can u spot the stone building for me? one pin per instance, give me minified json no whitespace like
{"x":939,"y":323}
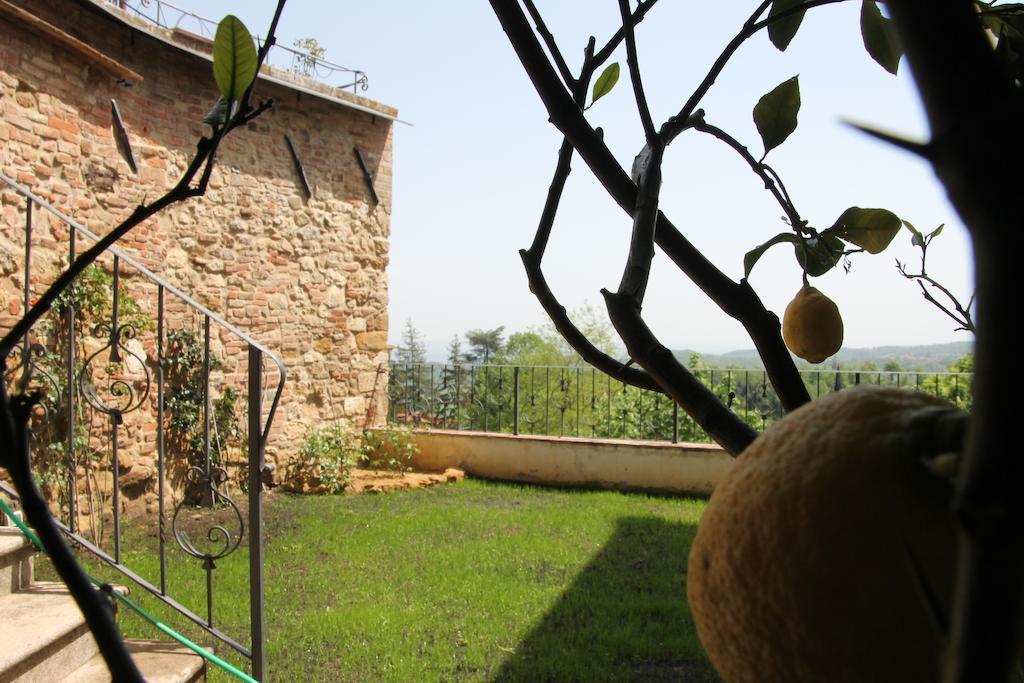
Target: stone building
{"x":302,"y":273}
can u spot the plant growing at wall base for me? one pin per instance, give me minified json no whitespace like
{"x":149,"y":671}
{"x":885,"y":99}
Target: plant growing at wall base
{"x":329,"y":454}
{"x":235,"y":67}
{"x":325,"y":460}
{"x":390,"y":447}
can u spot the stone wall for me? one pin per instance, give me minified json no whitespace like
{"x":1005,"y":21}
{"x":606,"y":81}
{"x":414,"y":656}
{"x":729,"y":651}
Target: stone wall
{"x":305,"y":277}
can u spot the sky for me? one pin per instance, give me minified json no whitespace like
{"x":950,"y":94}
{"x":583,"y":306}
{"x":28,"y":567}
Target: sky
{"x":472,"y":170}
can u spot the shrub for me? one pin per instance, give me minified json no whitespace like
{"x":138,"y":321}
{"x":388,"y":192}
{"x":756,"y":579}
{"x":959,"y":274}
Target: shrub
{"x":325,"y":460}
{"x":389,"y":448}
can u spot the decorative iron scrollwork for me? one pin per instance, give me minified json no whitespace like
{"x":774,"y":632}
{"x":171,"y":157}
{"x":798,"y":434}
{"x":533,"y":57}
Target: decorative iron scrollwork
{"x":26,"y":375}
{"x":220,"y":540}
{"x":122,"y":396}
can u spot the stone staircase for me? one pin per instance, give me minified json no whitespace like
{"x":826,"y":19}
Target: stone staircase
{"x":45,"y":638}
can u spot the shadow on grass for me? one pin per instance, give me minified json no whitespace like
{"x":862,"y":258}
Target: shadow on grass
{"x":624,"y":618}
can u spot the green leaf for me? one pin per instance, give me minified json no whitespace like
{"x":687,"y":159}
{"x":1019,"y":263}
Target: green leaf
{"x":752,"y":256}
{"x":234,"y":58}
{"x":918,"y":239}
{"x":870,"y":229}
{"x":936,"y":232}
{"x":775,"y":113}
{"x":818,"y":256}
{"x":781,"y":32}
{"x":880,"y":39}
{"x":605,"y":82}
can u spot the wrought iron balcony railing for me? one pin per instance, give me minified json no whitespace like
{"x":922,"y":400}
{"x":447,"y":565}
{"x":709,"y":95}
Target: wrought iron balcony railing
{"x":296,"y":60}
{"x":581,"y":401}
{"x":144,"y":388}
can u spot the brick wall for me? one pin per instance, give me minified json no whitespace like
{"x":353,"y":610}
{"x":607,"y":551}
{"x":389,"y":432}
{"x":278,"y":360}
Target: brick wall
{"x":304,"y":277}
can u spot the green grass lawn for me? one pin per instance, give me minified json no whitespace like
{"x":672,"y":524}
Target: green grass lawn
{"x":469,"y":581}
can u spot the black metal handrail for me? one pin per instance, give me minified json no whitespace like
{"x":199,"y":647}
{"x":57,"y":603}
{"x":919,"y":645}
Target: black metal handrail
{"x":167,"y":16}
{"x":584,"y":402}
{"x":114,"y":380}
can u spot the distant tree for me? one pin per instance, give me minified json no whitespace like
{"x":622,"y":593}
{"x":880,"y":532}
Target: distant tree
{"x":594,"y":324}
{"x":455,"y":354}
{"x":530,"y":349}
{"x":964,"y":364}
{"x":955,"y":387}
{"x":412,"y":349}
{"x":545,"y":345}
{"x":449,"y":392}
{"x":484,"y":343}
{"x":408,"y":377}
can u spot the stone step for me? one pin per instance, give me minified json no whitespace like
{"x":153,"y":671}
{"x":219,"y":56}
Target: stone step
{"x":46,"y":634}
{"x":48,"y":639}
{"x":159,"y":662}
{"x":16,"y":553}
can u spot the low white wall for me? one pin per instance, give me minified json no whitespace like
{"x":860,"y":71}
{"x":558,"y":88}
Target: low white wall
{"x":567,"y":461}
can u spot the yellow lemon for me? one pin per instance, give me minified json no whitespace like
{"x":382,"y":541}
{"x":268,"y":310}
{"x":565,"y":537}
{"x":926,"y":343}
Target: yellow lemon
{"x":811,"y":326}
{"x":827,"y":552}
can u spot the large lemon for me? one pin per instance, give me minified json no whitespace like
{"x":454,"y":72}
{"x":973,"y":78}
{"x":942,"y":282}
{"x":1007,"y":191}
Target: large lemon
{"x":827,"y":552}
{"x":811,"y":325}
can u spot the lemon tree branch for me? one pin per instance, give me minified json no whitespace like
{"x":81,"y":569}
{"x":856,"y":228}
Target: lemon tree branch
{"x":969,"y":98}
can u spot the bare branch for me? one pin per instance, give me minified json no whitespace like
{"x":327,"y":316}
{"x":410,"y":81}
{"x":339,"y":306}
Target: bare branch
{"x":737,"y":300}
{"x":763,"y":171}
{"x":602,"y":55}
{"x":645,"y":220}
{"x":634,"y":74}
{"x":721,"y":424}
{"x":962,"y":320}
{"x":533,"y":256}
{"x":575,"y":337}
{"x":549,"y":40}
{"x":778,"y":181}
{"x":750,"y":27}
{"x":963,"y":316}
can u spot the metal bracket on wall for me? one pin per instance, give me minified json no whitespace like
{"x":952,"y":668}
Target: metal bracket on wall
{"x":298,"y":168}
{"x":124,"y":144}
{"x":368,"y":175}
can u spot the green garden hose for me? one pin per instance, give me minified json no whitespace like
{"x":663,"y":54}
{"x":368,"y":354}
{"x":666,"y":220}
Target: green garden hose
{"x":202,"y":652}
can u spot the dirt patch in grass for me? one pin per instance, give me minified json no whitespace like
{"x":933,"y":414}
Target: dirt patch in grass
{"x":382,"y":481}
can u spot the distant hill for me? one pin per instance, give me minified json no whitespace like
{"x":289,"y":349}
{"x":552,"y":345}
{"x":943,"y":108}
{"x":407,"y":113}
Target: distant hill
{"x":931,"y":357}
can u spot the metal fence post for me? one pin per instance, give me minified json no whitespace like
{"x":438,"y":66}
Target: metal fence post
{"x":69,"y":390}
{"x":515,"y":400}
{"x":256,"y":445}
{"x":675,"y":422}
